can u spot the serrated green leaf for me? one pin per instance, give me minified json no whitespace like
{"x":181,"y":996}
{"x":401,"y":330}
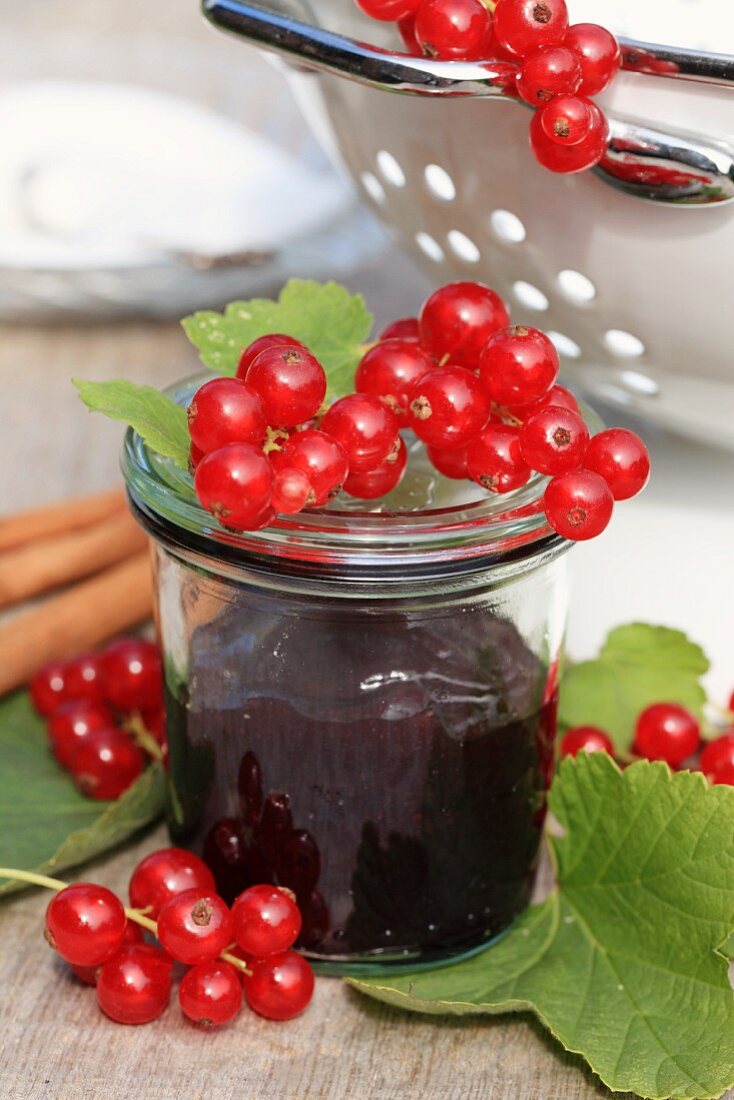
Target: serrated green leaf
{"x":622,"y":961}
{"x":325,"y":317}
{"x":156,"y":418}
{"x":639,"y":665}
{"x":46,"y":825}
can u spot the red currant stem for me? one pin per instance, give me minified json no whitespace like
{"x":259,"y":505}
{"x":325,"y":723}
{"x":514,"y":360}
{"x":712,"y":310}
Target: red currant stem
{"x":135,"y":726}
{"x":490,"y":5}
{"x":275,"y":440}
{"x":239,"y":964}
{"x":33,"y":878}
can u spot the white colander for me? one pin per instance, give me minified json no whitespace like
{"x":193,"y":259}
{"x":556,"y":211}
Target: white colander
{"x":636,"y":293}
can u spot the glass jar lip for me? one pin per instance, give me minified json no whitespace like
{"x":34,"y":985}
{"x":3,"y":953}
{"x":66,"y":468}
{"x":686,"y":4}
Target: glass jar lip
{"x":499,"y":528}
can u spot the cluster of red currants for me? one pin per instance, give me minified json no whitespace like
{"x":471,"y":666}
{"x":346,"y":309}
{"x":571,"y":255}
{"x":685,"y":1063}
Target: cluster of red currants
{"x":667,"y":732}
{"x":87,"y":702}
{"x":481,"y":395}
{"x":230,"y":952}
{"x":547,"y":63}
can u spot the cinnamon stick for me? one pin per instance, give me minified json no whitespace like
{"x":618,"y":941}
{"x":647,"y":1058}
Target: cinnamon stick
{"x":49,"y":563}
{"x":57,"y":519}
{"x":79,"y":619}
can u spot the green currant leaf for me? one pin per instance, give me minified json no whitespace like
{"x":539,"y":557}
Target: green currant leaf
{"x":639,"y":665}
{"x":622,"y":963}
{"x":156,"y":418}
{"x":46,"y":825}
{"x":325,"y":317}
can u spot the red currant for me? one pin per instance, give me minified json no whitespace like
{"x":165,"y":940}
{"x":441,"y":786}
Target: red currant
{"x":195,"y":926}
{"x":250,"y":788}
{"x":89,"y":974}
{"x":407,"y":33}
{"x":568,"y":119}
{"x":163,"y":875}
{"x":72,"y":723}
{"x":495,"y":460}
{"x":567,"y":159}
{"x":266,"y":921}
{"x":48,"y":688}
{"x":458,"y":319}
{"x":292,"y":491}
{"x":235,"y":484}
{"x":598,"y":51}
{"x":382,"y":479}
{"x":319,"y":457}
{"x":299,"y":864}
{"x":448,"y":406}
{"x":404,"y":329}
{"x":554,"y":440}
{"x":556,"y":395}
{"x":586,"y":739}
{"x":264,"y":343}
{"x":717,"y":760}
{"x":224,"y":411}
{"x":451,"y":462}
{"x":195,"y":457}
{"x":134,"y":987}
{"x":389,"y":369}
{"x":85,"y":923}
{"x":388,"y":10}
{"x":365,"y":429}
{"x":133,"y":674}
{"x":85,"y":679}
{"x":621,"y":458}
{"x":106,"y":763}
{"x":578,"y":505}
{"x":518,"y":365}
{"x":550,"y":71}
{"x":522,"y":26}
{"x":291,"y":384}
{"x":280,"y":986}
{"x":667,"y":731}
{"x":227,"y":853}
{"x":454,"y":29}
{"x":210,"y":994}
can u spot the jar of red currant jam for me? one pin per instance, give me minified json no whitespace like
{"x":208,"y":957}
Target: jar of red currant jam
{"x":361,"y":704}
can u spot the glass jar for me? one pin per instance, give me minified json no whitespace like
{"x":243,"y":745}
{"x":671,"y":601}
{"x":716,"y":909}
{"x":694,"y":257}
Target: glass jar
{"x":361,"y":705}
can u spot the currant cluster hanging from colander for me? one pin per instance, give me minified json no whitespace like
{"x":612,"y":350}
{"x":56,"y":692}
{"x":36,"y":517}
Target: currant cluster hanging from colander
{"x":547,"y":63}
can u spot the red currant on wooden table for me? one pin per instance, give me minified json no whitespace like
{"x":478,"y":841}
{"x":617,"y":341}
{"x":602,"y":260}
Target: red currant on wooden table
{"x":163,"y":875}
{"x":266,"y":921}
{"x":495,"y":459}
{"x":133,"y":674}
{"x":448,"y":406}
{"x":586,"y":739}
{"x":621,"y":458}
{"x":522,"y":26}
{"x":458,"y":319}
{"x":72,"y":723}
{"x":364,"y":428}
{"x":223,"y":411}
{"x":578,"y":505}
{"x":85,"y":924}
{"x":195,"y":926}
{"x":406,"y":328}
{"x":389,"y":369}
{"x":235,"y":484}
{"x":210,"y":994}
{"x":550,"y":71}
{"x":134,"y":987}
{"x":518,"y":365}
{"x":599,"y":53}
{"x":48,"y":689}
{"x":291,"y":384}
{"x":280,"y":986}
{"x":89,"y":974}
{"x":106,"y":763}
{"x":717,"y":760}
{"x":667,"y":731}
{"x":292,"y":491}
{"x":554,"y":440}
{"x":319,"y":457}
{"x":264,"y":343}
{"x":454,"y":29}
{"x":381,"y":479}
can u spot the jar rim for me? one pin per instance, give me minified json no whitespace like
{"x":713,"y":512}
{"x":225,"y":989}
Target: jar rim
{"x":495,"y":528}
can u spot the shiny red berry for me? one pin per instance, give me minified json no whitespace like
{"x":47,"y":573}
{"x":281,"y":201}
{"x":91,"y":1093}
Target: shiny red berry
{"x":388,"y":10}
{"x":495,"y":459}
{"x":556,"y":395}
{"x":72,"y":723}
{"x":223,"y":411}
{"x":133,"y":674}
{"x":586,"y":739}
{"x":567,"y":159}
{"x":454,"y":29}
{"x":621,"y":458}
{"x":523,"y":26}
{"x":450,"y":461}
{"x":195,"y":926}
{"x":47,"y":688}
{"x":518,"y":365}
{"x":210,"y":994}
{"x":235,"y":484}
{"x":448,"y":407}
{"x":406,"y":328}
{"x":85,"y":923}
{"x":264,"y":343}
{"x":291,"y":384}
{"x":578,"y":505}
{"x":389,"y":369}
{"x":84,"y":678}
{"x":568,"y":119}
{"x":319,"y":457}
{"x":548,"y":72}
{"x":554,"y":440}
{"x":106,"y":763}
{"x":717,"y":760}
{"x":89,"y":974}
{"x":163,"y":875}
{"x":458,"y":320}
{"x":134,"y":987}
{"x":364,"y":428}
{"x":266,"y":921}
{"x":280,"y":986}
{"x":292,"y":491}
{"x":667,"y":731}
{"x":382,"y":479}
{"x":598,"y":51}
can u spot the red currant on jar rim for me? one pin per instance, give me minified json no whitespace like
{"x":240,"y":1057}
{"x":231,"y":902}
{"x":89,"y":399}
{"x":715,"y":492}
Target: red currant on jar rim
{"x":279,"y":986}
{"x":621,"y":458}
{"x":389,"y":369}
{"x":319,"y":457}
{"x":717,"y":760}
{"x":598,"y":51}
{"x":85,"y":923}
{"x":133,"y":674}
{"x":224,"y":411}
{"x":518,"y":365}
{"x":72,"y":723}
{"x":382,"y":479}
{"x":586,"y":739}
{"x":578,"y":505}
{"x":266,"y":921}
{"x":166,"y":873}
{"x":554,"y":440}
{"x":210,"y":994}
{"x":106,"y":763}
{"x":567,"y":159}
{"x":667,"y":731}
{"x":406,"y":28}
{"x":291,"y":384}
{"x":388,"y":10}
{"x":448,"y":406}
{"x":235,"y":484}
{"x":292,"y":491}
{"x":264,"y":343}
{"x":458,"y":319}
{"x":522,"y":26}
{"x":452,"y":462}
{"x":134,"y":987}
{"x":550,"y":71}
{"x":365,"y":429}
{"x":495,"y":459}
{"x":454,"y":29}
{"x":195,"y":926}
{"x":568,"y":119}
{"x":406,"y":328}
